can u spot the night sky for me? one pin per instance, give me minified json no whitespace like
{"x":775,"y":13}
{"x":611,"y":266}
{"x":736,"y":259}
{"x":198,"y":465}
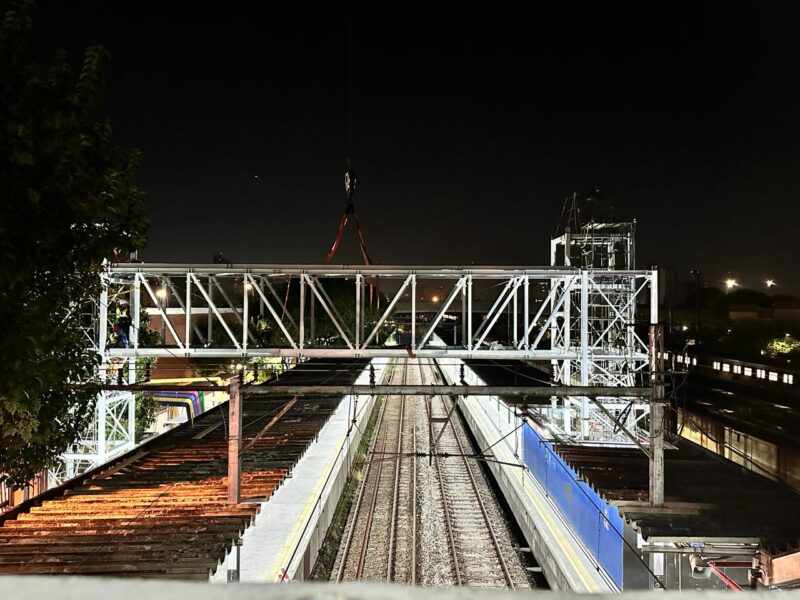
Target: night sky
{"x":467,"y":134}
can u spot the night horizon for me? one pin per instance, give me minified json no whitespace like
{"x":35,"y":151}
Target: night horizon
{"x":478,"y":129}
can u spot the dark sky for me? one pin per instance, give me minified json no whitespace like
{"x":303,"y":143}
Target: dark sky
{"x":468,"y":132}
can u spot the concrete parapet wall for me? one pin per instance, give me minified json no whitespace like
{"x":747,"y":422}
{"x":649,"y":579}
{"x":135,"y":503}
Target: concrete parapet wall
{"x":87,"y":588}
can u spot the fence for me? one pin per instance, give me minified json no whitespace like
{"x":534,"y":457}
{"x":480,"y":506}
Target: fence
{"x":596,"y":523}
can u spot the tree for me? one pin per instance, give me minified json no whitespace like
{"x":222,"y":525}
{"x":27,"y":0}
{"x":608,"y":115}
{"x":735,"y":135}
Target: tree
{"x":69,"y":201}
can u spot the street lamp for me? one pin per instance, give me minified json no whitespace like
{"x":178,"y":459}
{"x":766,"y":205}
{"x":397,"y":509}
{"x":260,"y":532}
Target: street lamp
{"x":770,"y":283}
{"x":731,"y":283}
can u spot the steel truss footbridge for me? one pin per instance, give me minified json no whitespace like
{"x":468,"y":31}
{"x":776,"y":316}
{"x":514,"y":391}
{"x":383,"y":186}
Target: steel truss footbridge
{"x":583,"y":321}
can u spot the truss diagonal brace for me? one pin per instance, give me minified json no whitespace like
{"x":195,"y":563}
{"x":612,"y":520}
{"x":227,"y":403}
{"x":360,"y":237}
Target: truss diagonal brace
{"x":453,"y":293}
{"x":161,"y":310}
{"x":311,"y":284}
{"x":213,"y":307}
{"x":271,"y":310}
{"x":388,"y":310}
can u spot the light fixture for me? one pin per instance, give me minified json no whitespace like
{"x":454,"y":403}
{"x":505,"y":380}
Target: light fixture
{"x":770,"y":283}
{"x":731,"y":283}
{"x":435,"y":299}
{"x":161,"y":293}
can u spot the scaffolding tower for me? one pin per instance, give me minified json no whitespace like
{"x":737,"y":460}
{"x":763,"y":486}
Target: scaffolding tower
{"x":601,"y":317}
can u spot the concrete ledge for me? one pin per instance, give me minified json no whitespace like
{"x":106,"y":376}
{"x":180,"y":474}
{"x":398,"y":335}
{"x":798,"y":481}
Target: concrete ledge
{"x":87,"y":588}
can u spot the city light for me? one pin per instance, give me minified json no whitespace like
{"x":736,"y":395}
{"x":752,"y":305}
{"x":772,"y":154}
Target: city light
{"x":435,"y":299}
{"x":685,"y":328}
{"x":731,"y":283}
{"x":161,"y":293}
{"x":770,"y":283}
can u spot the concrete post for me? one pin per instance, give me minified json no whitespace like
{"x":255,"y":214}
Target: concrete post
{"x":656,"y":466}
{"x":234,"y":440}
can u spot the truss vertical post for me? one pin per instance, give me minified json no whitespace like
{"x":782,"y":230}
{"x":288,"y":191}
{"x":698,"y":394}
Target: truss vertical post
{"x":136,"y":309}
{"x":245,"y":313}
{"x":312,"y":317}
{"x":234,"y":440}
{"x":364,"y":308}
{"x":464,"y":316}
{"x":359,"y":316}
{"x":188,"y":311}
{"x":516,"y":311}
{"x":469,"y":312}
{"x":103,"y":327}
{"x":210,"y":331}
{"x":567,"y":329}
{"x":585,"y":364}
{"x":413,"y":311}
{"x":302,"y":311}
{"x":526,"y":309}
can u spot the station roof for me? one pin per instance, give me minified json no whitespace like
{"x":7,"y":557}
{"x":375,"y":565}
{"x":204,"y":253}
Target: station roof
{"x":706,"y":496}
{"x":161,"y":511}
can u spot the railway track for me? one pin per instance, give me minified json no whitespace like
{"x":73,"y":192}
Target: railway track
{"x":374,"y":539}
{"x":427,"y":522}
{"x":476,"y":554}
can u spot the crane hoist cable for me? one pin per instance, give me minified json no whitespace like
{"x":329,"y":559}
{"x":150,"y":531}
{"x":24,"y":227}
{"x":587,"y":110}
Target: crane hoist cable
{"x":350,"y":179}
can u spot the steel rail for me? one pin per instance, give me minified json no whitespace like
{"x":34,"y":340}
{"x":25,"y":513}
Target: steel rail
{"x":359,"y":499}
{"x":373,"y":503}
{"x":447,"y":518}
{"x":414,"y":499}
{"x":390,"y":562}
{"x":481,"y":504}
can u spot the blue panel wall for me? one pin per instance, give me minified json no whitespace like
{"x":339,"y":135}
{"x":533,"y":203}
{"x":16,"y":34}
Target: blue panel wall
{"x":582,"y":508}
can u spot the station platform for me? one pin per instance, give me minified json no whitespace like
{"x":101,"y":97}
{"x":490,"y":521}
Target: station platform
{"x":567,"y":564}
{"x":284,"y":540}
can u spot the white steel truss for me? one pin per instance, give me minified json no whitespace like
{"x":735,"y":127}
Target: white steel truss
{"x":541,"y":302}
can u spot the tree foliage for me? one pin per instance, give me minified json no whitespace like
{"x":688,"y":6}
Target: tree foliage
{"x":69,"y":200}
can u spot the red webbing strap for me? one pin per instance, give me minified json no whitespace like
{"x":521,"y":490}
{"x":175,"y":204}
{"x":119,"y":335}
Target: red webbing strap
{"x":362,"y":242}
{"x":338,"y":240}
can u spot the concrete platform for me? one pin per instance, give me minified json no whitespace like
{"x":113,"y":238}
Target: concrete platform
{"x":284,"y":541}
{"x":567,"y":565}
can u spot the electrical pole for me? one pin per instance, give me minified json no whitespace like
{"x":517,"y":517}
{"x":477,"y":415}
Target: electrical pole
{"x":234,"y":439}
{"x":656,"y":459}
